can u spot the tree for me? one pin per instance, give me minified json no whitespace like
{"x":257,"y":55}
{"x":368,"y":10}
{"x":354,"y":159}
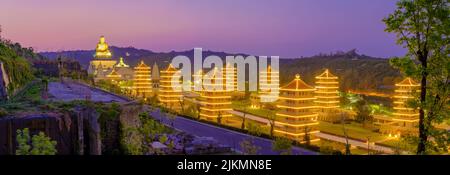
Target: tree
{"x":363,"y":112}
{"x":248,"y":147}
{"x":244,"y":109}
{"x":282,"y":145}
{"x":307,"y":137}
{"x":271,"y":118}
{"x":197,"y":109}
{"x":40,"y":144}
{"x":347,"y":145}
{"x":219,"y":118}
{"x":422,"y":26}
{"x":254,"y":129}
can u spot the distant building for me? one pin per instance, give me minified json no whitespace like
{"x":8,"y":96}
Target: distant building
{"x":404,"y":119}
{"x":296,"y":118}
{"x":269,"y":85}
{"x":169,"y":95}
{"x":327,"y":95}
{"x":102,"y":64}
{"x":215,"y":100}
{"x":142,"y":81}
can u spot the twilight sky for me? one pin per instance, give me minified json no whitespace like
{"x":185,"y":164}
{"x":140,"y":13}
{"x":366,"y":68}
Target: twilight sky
{"x":288,"y":28}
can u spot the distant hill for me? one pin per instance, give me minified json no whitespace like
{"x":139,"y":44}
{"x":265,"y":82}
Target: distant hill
{"x":356,"y":72}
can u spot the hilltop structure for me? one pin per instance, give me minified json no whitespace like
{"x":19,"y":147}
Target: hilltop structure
{"x":327,"y":95}
{"x":170,"y":96}
{"x":102,"y":64}
{"x":297,"y":119}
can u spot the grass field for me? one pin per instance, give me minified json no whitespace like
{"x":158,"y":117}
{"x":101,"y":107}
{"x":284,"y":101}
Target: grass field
{"x":354,"y":130}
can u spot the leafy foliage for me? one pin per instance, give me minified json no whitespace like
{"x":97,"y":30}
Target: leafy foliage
{"x":40,"y":144}
{"x":282,"y":145}
{"x":422,"y":26}
{"x":248,"y":147}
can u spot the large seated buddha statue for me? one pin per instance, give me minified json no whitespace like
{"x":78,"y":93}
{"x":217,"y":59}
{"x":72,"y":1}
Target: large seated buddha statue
{"x":102,"y":50}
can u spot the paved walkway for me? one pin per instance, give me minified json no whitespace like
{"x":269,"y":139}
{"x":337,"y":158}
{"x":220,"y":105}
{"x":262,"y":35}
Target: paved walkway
{"x":340,"y":139}
{"x":74,"y":91}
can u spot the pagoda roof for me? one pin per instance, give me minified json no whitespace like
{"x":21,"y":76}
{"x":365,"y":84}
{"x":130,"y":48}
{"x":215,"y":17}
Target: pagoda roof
{"x":142,"y":65}
{"x":297,"y":84}
{"x":114,"y":74}
{"x":170,"y":68}
{"x":327,"y":74}
{"x":408,"y":82}
{"x":121,"y":63}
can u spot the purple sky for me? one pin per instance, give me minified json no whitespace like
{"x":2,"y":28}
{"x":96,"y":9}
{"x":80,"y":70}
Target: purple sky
{"x":288,"y":28}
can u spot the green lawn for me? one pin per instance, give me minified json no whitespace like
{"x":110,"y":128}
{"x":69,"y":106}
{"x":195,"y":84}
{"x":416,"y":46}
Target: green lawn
{"x":354,"y":130}
{"x":238,"y":105}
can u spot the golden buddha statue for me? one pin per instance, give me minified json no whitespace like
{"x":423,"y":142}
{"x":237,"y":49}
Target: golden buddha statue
{"x":102,"y":50}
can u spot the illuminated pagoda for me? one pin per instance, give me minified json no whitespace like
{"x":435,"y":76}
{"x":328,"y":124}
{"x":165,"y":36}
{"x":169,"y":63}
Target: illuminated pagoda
{"x":269,"y":85}
{"x":327,"y":94}
{"x":114,"y":77}
{"x":198,"y":81}
{"x":296,"y":117}
{"x":231,"y":71}
{"x":124,"y":70}
{"x":405,"y":119}
{"x":169,"y":95}
{"x":142,"y":81}
{"x":215,"y":100}
{"x":121,"y":63}
{"x":102,"y":59}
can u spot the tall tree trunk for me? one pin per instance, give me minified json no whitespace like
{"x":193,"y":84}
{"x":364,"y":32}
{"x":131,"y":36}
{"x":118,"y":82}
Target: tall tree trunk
{"x":423,"y":135}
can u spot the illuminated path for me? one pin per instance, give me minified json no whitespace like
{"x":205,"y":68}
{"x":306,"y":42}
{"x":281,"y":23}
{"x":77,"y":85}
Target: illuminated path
{"x":326,"y":136}
{"x":224,"y":136}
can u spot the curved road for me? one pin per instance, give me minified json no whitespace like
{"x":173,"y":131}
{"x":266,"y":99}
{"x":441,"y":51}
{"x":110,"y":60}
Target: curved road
{"x":224,"y":136}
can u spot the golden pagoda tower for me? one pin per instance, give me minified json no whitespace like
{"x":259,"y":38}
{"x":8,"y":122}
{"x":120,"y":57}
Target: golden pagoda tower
{"x":198,"y":81}
{"x":297,"y":116}
{"x":232,"y":72}
{"x":142,"y":81}
{"x":102,"y":57}
{"x":215,"y":101}
{"x":269,"y":85}
{"x":169,"y":95}
{"x":405,"y":119}
{"x":327,"y":93}
{"x":121,"y":63}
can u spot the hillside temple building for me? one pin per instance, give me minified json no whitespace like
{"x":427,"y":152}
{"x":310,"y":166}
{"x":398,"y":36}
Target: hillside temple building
{"x":102,"y":64}
{"x":296,"y":118}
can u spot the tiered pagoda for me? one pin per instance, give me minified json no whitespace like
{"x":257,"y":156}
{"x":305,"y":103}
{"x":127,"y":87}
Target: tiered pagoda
{"x":269,"y":85}
{"x":230,"y":71}
{"x":327,"y":95}
{"x":215,"y":100}
{"x":142,"y":81}
{"x":296,"y":118}
{"x":405,"y":119}
{"x":170,"y":95}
